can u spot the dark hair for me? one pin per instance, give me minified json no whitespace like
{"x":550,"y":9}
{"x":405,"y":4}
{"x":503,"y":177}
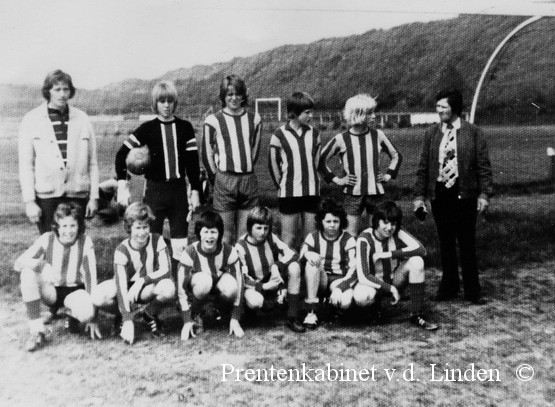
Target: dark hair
{"x":329,"y":205}
{"x":137,"y":211}
{"x":388,"y":212}
{"x":297,"y":103}
{"x":52,"y":79}
{"x":454,"y":98}
{"x":262,"y":215}
{"x":210,"y":219}
{"x":238,"y":84}
{"x":64,"y":210}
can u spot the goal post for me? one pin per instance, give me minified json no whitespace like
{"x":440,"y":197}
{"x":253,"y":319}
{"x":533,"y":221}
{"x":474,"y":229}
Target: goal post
{"x":269,"y":100}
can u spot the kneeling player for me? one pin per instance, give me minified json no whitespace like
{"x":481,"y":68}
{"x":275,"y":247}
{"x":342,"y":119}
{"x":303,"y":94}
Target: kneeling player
{"x":389,"y":259}
{"x":209,"y":267}
{"x":266,"y":263}
{"x":330,"y":261}
{"x":60,"y":269}
{"x":141,"y":272}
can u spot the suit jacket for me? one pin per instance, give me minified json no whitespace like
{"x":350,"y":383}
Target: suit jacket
{"x":475,"y":175}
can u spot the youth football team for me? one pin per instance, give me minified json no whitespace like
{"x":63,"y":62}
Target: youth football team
{"x":238,"y":267}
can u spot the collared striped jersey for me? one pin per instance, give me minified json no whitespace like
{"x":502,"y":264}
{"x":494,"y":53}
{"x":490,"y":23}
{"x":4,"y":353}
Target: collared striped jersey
{"x":379,"y":274}
{"x":360,"y":155}
{"x":293,"y":161}
{"x":231,"y":143}
{"x":59,"y":123}
{"x":72,"y":265}
{"x":194,"y":260}
{"x":152,"y":264}
{"x":258,"y":258}
{"x":336,"y":253}
{"x":173,"y":151}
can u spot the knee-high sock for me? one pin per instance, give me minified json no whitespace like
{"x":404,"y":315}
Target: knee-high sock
{"x":293,"y":308}
{"x":416,"y":292}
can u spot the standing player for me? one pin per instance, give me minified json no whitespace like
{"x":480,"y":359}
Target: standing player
{"x":389,"y":259}
{"x":141,"y":272}
{"x":329,"y":253}
{"x":266,"y":263}
{"x":173,"y":159}
{"x":231,"y":142}
{"x":293,"y":161}
{"x":57,"y":155}
{"x":60,"y":269}
{"x":359,"y":151}
{"x":209,"y":267}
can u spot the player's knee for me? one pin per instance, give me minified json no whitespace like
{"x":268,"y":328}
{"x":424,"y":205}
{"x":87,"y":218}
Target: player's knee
{"x":80,"y":305}
{"x":311,"y":271}
{"x":29,"y":285}
{"x":346,"y":299}
{"x":201,"y":284}
{"x":164,"y":290}
{"x":227,"y":287}
{"x":364,"y":296}
{"x":415,"y":266}
{"x":104,"y":294}
{"x":253,"y":299}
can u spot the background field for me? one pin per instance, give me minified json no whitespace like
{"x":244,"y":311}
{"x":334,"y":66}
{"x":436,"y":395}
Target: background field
{"x":517,"y":258}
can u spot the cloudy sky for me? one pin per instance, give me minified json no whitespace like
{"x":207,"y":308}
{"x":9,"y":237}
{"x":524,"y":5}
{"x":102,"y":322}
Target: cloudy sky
{"x":103,"y":41}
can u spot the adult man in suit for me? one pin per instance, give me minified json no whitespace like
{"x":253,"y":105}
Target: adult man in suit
{"x":455,"y":174}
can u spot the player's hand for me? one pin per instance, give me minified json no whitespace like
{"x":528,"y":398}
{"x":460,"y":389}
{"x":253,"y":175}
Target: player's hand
{"x":395,"y":294}
{"x":136,"y":289}
{"x":187,"y":331}
{"x":379,"y":256}
{"x":91,"y":209}
{"x":281,"y":294}
{"x":124,"y":196}
{"x":235,"y":328}
{"x":419,"y":209}
{"x":313,"y":259}
{"x":482,"y":205}
{"x":349,"y":179}
{"x":335,"y":297}
{"x":128,"y":332}
{"x":33,"y":211}
{"x":383,"y":178}
{"x":194,"y":200}
{"x":94,"y":330}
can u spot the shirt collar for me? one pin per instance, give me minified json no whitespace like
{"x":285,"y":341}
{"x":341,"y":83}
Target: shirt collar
{"x":456,"y":124}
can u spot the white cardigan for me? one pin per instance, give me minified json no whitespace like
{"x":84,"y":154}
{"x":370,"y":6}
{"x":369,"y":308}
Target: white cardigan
{"x":42,"y":171}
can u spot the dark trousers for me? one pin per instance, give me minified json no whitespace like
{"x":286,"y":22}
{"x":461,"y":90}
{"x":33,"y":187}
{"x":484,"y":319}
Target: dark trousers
{"x":168,"y":200}
{"x":456,"y":222}
{"x":48,"y":207}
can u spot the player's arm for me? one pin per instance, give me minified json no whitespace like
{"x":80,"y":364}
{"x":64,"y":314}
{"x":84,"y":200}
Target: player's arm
{"x":286,"y":254}
{"x":412,"y":247}
{"x":33,"y":257}
{"x":365,"y":275}
{"x":208,"y":151}
{"x":192,"y":162}
{"x":274,"y":160}
{"x":394,"y":156}
{"x":255,"y":139}
{"x":164,"y":262}
{"x":350,"y":278}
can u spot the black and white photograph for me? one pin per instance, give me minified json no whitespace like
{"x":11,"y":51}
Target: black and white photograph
{"x":242,"y":202}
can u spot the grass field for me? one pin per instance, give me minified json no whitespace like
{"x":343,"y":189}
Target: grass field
{"x":517,"y":258}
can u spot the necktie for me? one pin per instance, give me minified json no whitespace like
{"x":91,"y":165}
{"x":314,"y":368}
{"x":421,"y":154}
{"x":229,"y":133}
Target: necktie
{"x":449,"y":169}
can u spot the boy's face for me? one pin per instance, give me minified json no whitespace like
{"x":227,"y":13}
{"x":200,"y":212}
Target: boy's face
{"x":165,"y":108}
{"x":385,"y":229}
{"x":68,"y":229}
{"x":259,"y":232}
{"x":138,"y":237}
{"x":331,"y":226}
{"x":305,"y":117}
{"x":233,"y":100}
{"x":209,"y":239}
{"x":444,"y":111}
{"x":59,"y":96}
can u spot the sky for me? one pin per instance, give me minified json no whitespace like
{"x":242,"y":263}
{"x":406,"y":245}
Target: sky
{"x":103,"y":41}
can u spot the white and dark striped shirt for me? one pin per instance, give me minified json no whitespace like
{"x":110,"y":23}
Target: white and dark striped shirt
{"x":360,"y":155}
{"x":293,"y":161}
{"x":231,"y":143}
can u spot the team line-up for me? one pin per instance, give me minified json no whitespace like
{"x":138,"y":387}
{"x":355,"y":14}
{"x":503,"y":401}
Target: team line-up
{"x":237,"y":263}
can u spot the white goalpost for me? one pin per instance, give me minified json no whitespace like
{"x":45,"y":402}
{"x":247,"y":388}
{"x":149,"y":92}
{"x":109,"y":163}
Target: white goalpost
{"x":269,"y":100}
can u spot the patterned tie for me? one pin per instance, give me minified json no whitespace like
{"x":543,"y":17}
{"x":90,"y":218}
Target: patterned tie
{"x":449,"y":170}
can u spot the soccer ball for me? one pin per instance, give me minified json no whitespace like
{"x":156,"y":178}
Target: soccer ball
{"x":138,"y":159}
